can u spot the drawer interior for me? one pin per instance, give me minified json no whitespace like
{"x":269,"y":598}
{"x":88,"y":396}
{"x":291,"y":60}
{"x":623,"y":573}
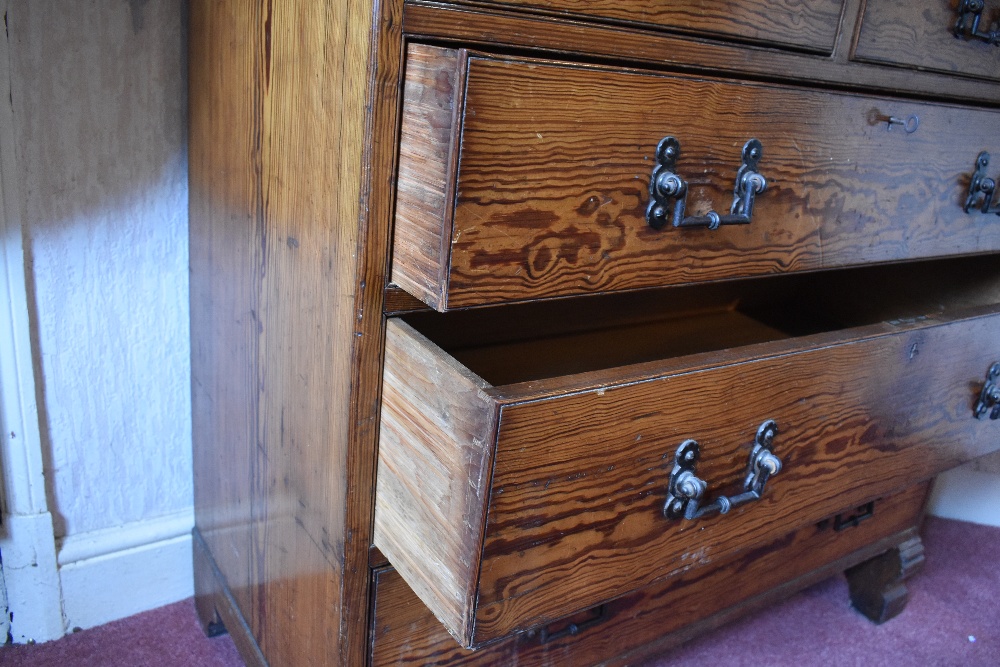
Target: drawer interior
{"x":524,"y":342}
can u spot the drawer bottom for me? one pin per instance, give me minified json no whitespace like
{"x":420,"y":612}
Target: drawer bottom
{"x":405,"y":632}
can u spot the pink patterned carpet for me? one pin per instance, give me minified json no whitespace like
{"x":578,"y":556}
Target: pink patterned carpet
{"x":953,"y":619}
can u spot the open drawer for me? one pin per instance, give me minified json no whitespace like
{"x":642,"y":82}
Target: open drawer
{"x":525,"y":179}
{"x":525,"y":477}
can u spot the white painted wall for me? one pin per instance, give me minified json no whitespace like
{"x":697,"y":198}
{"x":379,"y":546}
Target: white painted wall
{"x":969,"y":493}
{"x":98,"y":105}
{"x":99,"y":97}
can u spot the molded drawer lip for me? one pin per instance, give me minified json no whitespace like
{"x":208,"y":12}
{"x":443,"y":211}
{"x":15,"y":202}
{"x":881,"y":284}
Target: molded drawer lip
{"x":810,"y":26}
{"x":508,"y":507}
{"x":918,"y":35}
{"x":523,"y":179}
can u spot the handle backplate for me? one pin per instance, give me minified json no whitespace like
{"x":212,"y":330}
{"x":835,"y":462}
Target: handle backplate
{"x":989,"y":398}
{"x":668,"y":191}
{"x":970,"y":15}
{"x":686,"y":489}
{"x":982,"y":188}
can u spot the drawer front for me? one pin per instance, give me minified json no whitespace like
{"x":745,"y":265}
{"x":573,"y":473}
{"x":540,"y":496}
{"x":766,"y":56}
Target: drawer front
{"x":921,"y":34}
{"x":405,"y":632}
{"x":524,"y":180}
{"x":809,"y":24}
{"x":552,"y":492}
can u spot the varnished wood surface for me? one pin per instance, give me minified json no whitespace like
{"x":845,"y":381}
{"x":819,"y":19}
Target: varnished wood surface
{"x":551,"y":197}
{"x":216,"y":607}
{"x":582,"y":461}
{"x":578,"y":480}
{"x":286,"y":334}
{"x":810,"y":25}
{"x":918,"y":34}
{"x":404,"y":632}
{"x":429,"y":139}
{"x":434,"y":467}
{"x":487,"y":28}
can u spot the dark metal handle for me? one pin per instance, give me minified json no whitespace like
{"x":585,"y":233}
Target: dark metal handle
{"x":989,"y":397}
{"x":667,"y":189}
{"x":970,"y":13}
{"x":982,"y":189}
{"x":686,"y":489}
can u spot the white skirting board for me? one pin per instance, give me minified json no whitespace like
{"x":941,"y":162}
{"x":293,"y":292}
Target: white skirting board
{"x":110,"y":574}
{"x":967,"y":494}
{"x":31,"y":576}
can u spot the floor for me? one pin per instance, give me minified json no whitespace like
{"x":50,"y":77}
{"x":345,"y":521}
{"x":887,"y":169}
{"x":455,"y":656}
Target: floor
{"x":953,"y":619}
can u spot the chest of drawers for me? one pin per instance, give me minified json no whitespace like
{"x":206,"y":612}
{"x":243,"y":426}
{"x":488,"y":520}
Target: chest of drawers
{"x":547,"y":332}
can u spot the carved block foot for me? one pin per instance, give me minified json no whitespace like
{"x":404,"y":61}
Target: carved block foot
{"x":877,"y":586}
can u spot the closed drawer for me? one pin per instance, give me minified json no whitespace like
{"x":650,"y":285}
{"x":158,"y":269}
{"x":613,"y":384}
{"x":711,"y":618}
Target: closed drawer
{"x":405,"y":632}
{"x":808,"y":25}
{"x":508,"y":505}
{"x":921,"y":34}
{"x":521,"y":180}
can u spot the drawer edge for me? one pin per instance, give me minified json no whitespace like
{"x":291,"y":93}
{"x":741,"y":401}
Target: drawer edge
{"x":433,"y":96}
{"x":436,"y":420}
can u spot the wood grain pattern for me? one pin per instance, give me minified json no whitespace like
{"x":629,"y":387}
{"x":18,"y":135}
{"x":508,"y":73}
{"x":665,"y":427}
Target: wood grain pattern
{"x":429,"y":138}
{"x":551,"y":197}
{"x":286,"y":340}
{"x":578,"y":480}
{"x":486,"y":28}
{"x":810,"y":25}
{"x":434,"y":466}
{"x":582,"y":461}
{"x":919,"y":35}
{"x":404,"y":632}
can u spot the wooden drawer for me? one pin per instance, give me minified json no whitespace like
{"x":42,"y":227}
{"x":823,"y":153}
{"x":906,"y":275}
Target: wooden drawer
{"x":920,"y":34}
{"x":520,"y":180}
{"x":524,"y":480}
{"x":808,"y":25}
{"x":405,"y":632}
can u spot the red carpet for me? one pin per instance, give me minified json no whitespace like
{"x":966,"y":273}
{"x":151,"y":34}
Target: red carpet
{"x":953,"y":619}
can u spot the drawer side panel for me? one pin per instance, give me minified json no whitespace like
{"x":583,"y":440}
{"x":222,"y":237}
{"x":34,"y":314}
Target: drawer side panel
{"x":432,"y":101}
{"x":436,"y":444}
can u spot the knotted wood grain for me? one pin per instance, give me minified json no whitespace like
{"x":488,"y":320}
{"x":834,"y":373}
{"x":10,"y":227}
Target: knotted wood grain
{"x":405,"y":633}
{"x":581,"y":463}
{"x":555,"y":161}
{"x":579,"y":481}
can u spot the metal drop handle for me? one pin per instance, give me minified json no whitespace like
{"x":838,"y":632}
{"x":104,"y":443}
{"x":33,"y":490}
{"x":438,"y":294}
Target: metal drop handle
{"x":982,"y":188}
{"x":989,"y":398}
{"x":686,"y":489}
{"x":668,"y":191}
{"x":970,"y":14}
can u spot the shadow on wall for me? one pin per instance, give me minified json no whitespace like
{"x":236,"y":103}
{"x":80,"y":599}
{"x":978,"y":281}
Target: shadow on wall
{"x":99,"y":99}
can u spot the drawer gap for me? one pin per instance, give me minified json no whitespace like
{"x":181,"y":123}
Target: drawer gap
{"x":524,"y":342}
